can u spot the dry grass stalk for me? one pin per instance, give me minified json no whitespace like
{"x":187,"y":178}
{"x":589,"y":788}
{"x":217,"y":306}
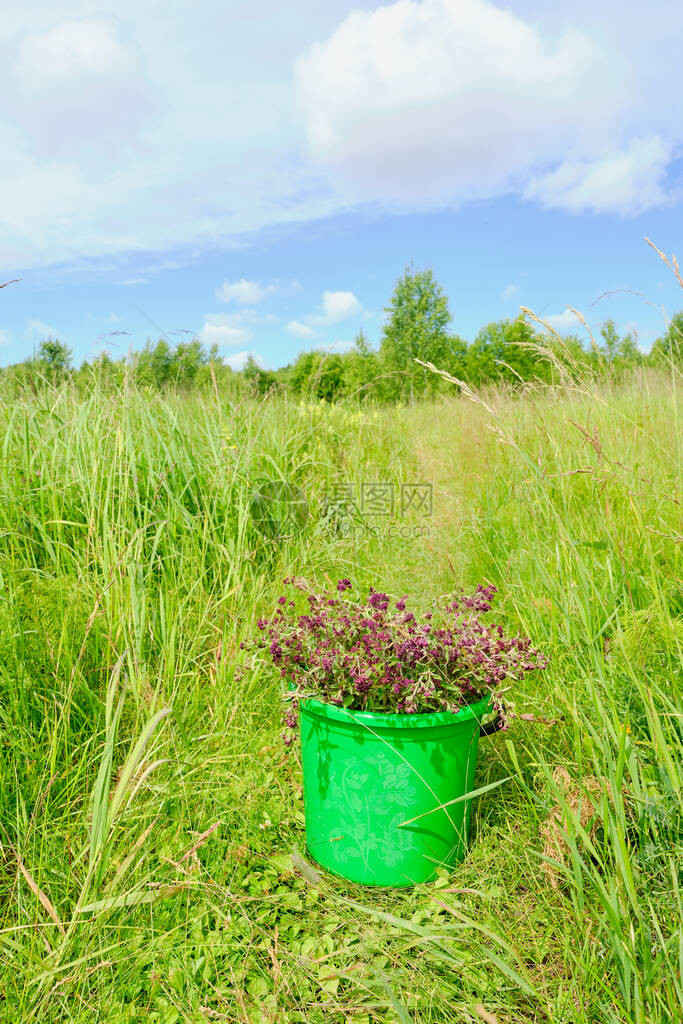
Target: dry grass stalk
{"x":38,"y":892}
{"x":477,"y":399}
{"x":578,"y":803}
{"x":568,"y":367}
{"x":482,"y":1014}
{"x":672,"y":263}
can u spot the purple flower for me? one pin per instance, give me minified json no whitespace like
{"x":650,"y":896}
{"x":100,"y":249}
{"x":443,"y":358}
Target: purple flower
{"x":378,"y":600}
{"x":373,"y":658}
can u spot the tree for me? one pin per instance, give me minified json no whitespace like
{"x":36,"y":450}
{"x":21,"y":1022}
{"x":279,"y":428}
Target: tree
{"x":361,"y":368}
{"x":618,"y":352}
{"x":669,"y":347}
{"x":189,"y":358}
{"x":503,"y":350}
{"x":103,"y":370}
{"x":302,"y":372}
{"x":568,"y":351}
{"x":54,"y":357}
{"x":417,"y":327}
{"x":329,"y":377}
{"x":318,"y":374}
{"x":611,"y":339}
{"x":260,"y":381}
{"x":153,"y":364}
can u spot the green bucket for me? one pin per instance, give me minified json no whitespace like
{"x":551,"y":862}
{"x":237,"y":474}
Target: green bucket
{"x":374,"y":786}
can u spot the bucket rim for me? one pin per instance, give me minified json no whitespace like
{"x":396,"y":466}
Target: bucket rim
{"x":397,"y":720}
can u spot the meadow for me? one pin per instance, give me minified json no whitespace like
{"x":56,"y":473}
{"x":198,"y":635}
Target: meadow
{"x":152,"y":865}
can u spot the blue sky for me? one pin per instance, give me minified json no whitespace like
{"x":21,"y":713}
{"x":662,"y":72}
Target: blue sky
{"x":259,"y":174}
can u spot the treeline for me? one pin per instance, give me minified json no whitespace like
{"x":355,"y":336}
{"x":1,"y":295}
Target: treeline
{"x":417,"y":327}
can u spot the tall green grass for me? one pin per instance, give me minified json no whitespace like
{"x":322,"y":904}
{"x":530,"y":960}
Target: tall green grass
{"x":151,"y":823}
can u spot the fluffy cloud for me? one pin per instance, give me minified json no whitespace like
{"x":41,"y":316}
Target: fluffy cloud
{"x":245,"y":293}
{"x":566,"y":322}
{"x":339,"y":306}
{"x":335,"y":307}
{"x":91,"y":46}
{"x":223,"y":331}
{"x":80,"y":84}
{"x":443,"y":100}
{"x":5,"y":337}
{"x":123,"y":157}
{"x":37,"y":330}
{"x":238,"y":361}
{"x":120,"y":139}
{"x":250,"y":293}
{"x":624,"y":182}
{"x":509,"y":291}
{"x":299,"y":329}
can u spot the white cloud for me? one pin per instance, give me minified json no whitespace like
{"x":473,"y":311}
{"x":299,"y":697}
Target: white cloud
{"x":565,"y":322}
{"x":509,"y":291}
{"x":443,"y":100}
{"x":299,"y":329}
{"x":245,"y":293}
{"x":79,"y":84}
{"x":129,"y":163}
{"x":71,"y":49}
{"x":224,"y":331}
{"x":245,"y":317}
{"x":626,"y":182}
{"x":5,"y":337}
{"x":250,"y":293}
{"x":335,"y":306}
{"x":123,"y":143}
{"x":37,"y":330}
{"x":238,"y":361}
{"x":340,"y":305}
{"x":134,"y":280}
{"x":161,"y":265}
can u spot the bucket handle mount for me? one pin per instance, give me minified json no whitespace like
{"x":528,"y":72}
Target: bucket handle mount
{"x":494,"y":726}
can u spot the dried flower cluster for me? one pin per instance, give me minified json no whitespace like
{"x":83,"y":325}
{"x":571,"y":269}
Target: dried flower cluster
{"x":376,"y":656}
